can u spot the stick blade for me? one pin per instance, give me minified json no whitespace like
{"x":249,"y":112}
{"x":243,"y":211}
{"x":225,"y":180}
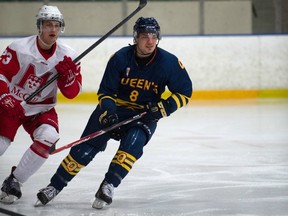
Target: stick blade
{"x":142,"y":3}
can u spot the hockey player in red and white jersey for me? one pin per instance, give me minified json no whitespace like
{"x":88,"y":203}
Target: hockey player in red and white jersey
{"x":25,"y":65}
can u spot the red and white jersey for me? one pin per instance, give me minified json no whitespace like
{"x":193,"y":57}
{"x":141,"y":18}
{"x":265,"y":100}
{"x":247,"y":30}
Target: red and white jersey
{"x":25,"y":69}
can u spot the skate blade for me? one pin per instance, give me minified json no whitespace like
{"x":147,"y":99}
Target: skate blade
{"x":98,"y":204}
{"x":38,"y":203}
{"x":7,"y":198}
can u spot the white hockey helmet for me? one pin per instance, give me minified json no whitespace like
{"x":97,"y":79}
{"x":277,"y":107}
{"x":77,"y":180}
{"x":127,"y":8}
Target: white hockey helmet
{"x":50,"y":13}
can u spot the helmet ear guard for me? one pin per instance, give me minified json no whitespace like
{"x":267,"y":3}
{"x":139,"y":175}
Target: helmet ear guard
{"x":50,"y":13}
{"x":146,"y":25}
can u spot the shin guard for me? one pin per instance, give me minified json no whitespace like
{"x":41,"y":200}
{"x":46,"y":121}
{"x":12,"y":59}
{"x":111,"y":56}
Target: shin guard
{"x":28,"y":165}
{"x":67,"y":170}
{"x":120,"y":166}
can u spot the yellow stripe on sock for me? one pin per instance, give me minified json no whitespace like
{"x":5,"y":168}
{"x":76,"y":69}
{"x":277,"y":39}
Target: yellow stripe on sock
{"x":124,"y":159}
{"x":71,"y":166}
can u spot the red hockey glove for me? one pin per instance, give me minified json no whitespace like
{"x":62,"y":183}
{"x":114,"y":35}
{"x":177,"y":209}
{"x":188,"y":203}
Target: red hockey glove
{"x":11,"y":106}
{"x":68,"y":70}
{"x":157,"y":110}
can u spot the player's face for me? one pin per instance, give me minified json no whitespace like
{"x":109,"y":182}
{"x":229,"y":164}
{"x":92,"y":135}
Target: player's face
{"x":50,"y":31}
{"x":146,"y":44}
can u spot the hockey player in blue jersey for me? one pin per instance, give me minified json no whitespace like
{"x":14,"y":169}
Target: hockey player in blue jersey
{"x":133,"y":82}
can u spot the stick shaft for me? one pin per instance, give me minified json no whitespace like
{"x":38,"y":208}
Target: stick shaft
{"x":98,"y":133}
{"x":141,"y":5}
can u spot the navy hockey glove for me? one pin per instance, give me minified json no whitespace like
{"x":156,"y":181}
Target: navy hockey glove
{"x":157,"y":110}
{"x":108,"y":118}
{"x":117,"y":134}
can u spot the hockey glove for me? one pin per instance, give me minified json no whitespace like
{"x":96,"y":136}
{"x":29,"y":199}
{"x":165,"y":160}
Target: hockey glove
{"x":68,"y":70}
{"x":117,"y":134}
{"x":11,"y":106}
{"x":157,"y":110}
{"x":108,"y":118}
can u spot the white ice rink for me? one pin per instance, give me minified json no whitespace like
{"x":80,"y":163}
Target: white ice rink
{"x":212,"y":158}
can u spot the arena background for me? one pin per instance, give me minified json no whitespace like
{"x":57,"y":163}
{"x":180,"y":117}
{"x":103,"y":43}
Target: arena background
{"x":231,"y":49}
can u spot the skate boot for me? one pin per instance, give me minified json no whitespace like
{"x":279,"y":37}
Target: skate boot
{"x":45,"y":195}
{"x":104,"y":195}
{"x":10,"y":190}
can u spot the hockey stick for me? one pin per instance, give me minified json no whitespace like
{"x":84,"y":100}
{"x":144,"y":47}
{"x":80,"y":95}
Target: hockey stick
{"x":141,"y":5}
{"x":98,"y":133}
{"x":11,"y":213}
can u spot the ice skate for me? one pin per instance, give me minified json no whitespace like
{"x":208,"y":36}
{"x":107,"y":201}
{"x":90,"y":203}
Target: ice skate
{"x":104,"y":195}
{"x":10,"y":190}
{"x":45,"y":195}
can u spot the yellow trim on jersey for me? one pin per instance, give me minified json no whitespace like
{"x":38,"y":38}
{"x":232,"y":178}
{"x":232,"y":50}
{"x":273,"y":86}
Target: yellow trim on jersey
{"x":176,"y":100}
{"x":185,"y":99}
{"x":71,"y":166}
{"x":129,"y":105}
{"x":102,"y":97}
{"x":180,"y":99}
{"x":124,"y":159}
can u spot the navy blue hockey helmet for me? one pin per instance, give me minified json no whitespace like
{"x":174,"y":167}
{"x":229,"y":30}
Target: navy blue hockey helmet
{"x":146,"y":25}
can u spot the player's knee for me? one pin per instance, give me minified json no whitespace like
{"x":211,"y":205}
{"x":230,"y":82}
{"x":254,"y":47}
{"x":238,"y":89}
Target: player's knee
{"x":84,"y":153}
{"x":134,"y":141}
{"x":4,"y":144}
{"x":46,"y":134}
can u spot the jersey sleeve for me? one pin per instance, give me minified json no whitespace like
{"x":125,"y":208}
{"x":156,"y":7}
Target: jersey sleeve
{"x":109,"y":85}
{"x":9,"y":65}
{"x":179,"y":84}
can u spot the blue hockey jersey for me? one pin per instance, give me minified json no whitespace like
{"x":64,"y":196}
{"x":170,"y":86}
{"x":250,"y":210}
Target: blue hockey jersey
{"x":125,"y":84}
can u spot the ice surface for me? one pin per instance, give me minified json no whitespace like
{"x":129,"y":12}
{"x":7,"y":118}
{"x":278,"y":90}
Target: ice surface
{"x":211,"y":158}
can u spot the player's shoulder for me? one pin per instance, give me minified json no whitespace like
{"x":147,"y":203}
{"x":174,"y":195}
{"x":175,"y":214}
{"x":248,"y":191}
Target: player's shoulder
{"x":165,"y":54}
{"x":169,"y":61}
{"x":166,"y":58}
{"x":123,"y":53}
{"x":23,"y":43}
{"x":65,"y":48}
{"x":124,"y":50}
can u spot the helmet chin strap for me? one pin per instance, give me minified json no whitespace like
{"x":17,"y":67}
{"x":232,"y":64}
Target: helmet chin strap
{"x":45,"y":44}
